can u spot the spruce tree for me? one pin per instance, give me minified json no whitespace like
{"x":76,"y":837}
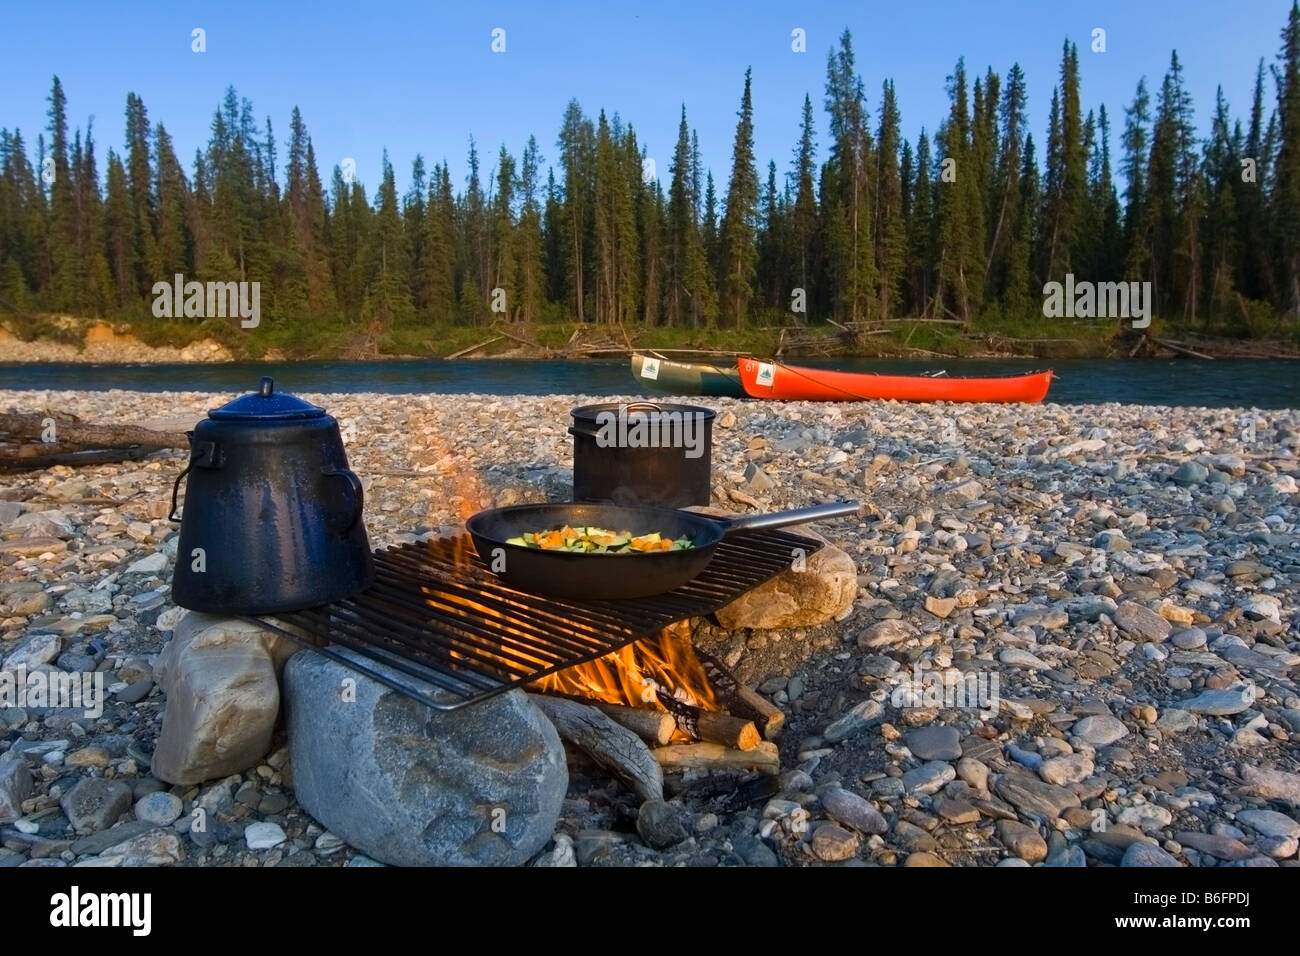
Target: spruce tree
{"x":849,"y":241}
{"x":1221,"y":228}
{"x":436,"y":249}
{"x":921,"y":232}
{"x":739,"y":223}
{"x":608,"y":185}
{"x":1103,"y":197}
{"x":1005,"y":191}
{"x":413,"y":218}
{"x":96,"y":294}
{"x":1021,"y":286}
{"x":577,"y":145}
{"x":118,"y":226}
{"x":504,"y":267}
{"x":531,"y":279}
{"x":629,"y":262}
{"x":553,"y":240}
{"x":1137,"y":220}
{"x":476,"y":246}
{"x":682,"y":228}
{"x":145,"y":264}
{"x":889,"y":217}
{"x":171,"y":193}
{"x":959,"y":212}
{"x":1285,"y":211}
{"x":651,"y":226}
{"x":388,"y":292}
{"x":1255,"y":267}
{"x":65,"y":262}
{"x":770,"y":242}
{"x":803,"y":219}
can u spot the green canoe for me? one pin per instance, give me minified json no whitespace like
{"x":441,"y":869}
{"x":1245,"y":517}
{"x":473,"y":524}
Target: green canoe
{"x":687,"y":378}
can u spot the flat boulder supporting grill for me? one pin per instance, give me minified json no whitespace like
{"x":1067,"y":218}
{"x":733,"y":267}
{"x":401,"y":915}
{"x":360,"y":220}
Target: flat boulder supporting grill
{"x":438,"y":615}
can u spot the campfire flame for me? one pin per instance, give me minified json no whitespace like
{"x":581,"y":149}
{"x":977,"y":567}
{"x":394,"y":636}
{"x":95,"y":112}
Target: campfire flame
{"x":631,"y":676}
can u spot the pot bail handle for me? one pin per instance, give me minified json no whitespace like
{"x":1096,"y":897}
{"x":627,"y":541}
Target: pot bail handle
{"x":629,"y":409}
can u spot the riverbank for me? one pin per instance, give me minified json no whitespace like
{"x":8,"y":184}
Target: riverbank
{"x":1130,"y":575}
{"x":68,"y":339}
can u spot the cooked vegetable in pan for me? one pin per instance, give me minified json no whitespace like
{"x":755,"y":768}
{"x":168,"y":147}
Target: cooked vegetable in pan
{"x":600,"y":540}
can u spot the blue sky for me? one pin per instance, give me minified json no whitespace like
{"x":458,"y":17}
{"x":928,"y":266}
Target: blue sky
{"x":421,"y":76}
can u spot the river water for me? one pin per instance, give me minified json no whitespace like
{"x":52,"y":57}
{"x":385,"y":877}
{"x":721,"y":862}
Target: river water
{"x":1223,"y":383}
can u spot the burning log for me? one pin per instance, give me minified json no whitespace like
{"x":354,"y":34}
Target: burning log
{"x":652,"y":726}
{"x":612,"y":746}
{"x":741,"y":700}
{"x":706,"y":756}
{"x":749,"y":703}
{"x":717,"y":728}
{"x":726,"y":730}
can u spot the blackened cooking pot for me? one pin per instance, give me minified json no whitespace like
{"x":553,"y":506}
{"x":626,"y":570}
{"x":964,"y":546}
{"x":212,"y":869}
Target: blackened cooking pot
{"x":272,"y":518}
{"x":642,"y":454}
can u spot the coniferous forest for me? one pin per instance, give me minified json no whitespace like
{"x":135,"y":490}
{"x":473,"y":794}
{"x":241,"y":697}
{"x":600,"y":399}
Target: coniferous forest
{"x":965,"y":220}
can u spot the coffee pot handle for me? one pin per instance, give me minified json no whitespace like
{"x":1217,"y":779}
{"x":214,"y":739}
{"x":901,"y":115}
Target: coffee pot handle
{"x":176,"y":487}
{"x":205,"y":454}
{"x":356,"y":493}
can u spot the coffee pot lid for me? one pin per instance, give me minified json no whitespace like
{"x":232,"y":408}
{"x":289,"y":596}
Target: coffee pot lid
{"x":266,"y":404}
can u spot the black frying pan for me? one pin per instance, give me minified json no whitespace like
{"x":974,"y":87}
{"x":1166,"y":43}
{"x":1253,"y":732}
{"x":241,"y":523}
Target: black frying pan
{"x":597,"y":576}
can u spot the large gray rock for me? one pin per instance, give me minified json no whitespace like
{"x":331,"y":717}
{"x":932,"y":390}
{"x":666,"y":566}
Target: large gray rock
{"x":1141,"y":623}
{"x":33,"y":652}
{"x":157,"y":847}
{"x":1031,"y":795}
{"x":1147,"y":854}
{"x":1220,"y":703}
{"x":822,"y":590}
{"x":1270,"y":823}
{"x":412,"y":786}
{"x":95,"y":804}
{"x":1100,"y":730}
{"x":846,"y":807}
{"x":223,"y":698}
{"x":15,"y":787}
{"x":1271,"y":784}
{"x":935,"y":742}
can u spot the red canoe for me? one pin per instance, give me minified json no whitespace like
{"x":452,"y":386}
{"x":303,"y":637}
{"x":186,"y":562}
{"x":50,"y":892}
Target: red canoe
{"x":798,"y":384}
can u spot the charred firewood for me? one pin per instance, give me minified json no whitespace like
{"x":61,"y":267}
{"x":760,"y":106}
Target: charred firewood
{"x":652,"y":726}
{"x":609,"y":744}
{"x":705,"y":756}
{"x":741,"y":700}
{"x":710,"y":727}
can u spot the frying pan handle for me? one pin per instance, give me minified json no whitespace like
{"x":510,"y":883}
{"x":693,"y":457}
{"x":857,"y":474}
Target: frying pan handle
{"x":782,"y":519}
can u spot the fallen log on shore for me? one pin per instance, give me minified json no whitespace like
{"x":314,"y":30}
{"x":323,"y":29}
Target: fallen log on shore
{"x":30,"y":440}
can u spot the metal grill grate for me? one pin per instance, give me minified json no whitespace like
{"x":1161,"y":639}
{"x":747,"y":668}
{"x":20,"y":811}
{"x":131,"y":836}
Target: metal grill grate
{"x":436,"y":614}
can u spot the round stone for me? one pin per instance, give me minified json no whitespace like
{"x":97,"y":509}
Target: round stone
{"x":160,"y":808}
